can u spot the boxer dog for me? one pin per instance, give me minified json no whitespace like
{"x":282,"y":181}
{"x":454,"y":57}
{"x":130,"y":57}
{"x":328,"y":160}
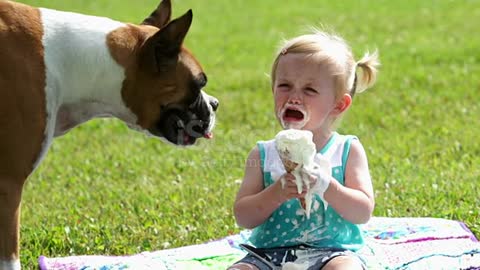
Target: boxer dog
{"x":60,"y":69}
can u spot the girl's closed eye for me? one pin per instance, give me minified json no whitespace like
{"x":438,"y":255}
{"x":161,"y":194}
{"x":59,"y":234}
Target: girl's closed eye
{"x":311,"y":91}
{"x":283,"y":86}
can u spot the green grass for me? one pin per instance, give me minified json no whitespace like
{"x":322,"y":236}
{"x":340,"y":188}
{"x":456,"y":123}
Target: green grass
{"x":104,"y":189}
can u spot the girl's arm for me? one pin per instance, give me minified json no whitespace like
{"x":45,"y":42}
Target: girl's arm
{"x":254,"y":203}
{"x":354,"y":201}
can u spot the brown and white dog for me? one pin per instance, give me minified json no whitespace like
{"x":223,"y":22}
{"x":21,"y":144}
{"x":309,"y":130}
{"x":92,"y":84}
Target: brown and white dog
{"x":60,"y":69}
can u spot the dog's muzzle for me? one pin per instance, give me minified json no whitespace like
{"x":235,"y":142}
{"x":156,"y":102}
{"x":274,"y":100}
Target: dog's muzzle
{"x":183,"y":126}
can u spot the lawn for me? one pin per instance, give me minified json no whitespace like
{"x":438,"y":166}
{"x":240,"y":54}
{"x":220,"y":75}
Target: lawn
{"x":104,"y":189}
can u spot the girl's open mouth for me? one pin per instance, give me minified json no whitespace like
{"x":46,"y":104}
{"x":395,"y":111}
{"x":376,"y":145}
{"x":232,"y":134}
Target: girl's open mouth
{"x":293,"y":115}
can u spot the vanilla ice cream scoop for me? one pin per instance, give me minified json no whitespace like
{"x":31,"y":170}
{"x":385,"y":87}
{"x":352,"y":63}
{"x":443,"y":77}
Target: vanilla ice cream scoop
{"x":296,"y":146}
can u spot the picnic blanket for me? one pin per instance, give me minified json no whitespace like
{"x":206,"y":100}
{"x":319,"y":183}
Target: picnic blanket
{"x":391,"y":243}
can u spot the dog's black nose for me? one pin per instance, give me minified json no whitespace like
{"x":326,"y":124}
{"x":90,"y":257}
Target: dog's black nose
{"x":214,"y":103}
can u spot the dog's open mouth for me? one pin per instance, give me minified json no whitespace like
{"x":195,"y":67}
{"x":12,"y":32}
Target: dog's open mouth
{"x":182,"y":128}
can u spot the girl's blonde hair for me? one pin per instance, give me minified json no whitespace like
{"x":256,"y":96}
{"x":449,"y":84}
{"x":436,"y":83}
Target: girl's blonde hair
{"x":330,"y":49}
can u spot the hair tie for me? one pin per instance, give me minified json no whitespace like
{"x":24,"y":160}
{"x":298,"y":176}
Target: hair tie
{"x":354,"y":86}
{"x":353,"y":89}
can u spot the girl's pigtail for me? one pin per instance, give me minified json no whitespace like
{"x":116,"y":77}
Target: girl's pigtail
{"x":369,"y":67}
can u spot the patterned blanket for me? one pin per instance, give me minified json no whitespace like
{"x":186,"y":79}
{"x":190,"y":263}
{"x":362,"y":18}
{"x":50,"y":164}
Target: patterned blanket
{"x":391,"y":243}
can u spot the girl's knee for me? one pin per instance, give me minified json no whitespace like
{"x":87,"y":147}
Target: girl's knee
{"x":242,"y":266}
{"x":344,"y":262}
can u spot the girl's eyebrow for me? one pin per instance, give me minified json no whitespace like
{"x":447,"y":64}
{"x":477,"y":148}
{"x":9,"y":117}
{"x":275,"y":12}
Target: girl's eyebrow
{"x":284,"y":78}
{"x":281,"y":80}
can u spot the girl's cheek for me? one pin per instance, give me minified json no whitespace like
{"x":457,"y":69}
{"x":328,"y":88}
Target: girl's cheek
{"x":277,"y":103}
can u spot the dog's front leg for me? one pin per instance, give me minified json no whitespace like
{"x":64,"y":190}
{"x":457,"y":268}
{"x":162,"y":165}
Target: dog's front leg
{"x":10,"y":198}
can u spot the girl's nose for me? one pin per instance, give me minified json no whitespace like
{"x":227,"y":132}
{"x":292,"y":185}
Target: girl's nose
{"x":295,"y":98}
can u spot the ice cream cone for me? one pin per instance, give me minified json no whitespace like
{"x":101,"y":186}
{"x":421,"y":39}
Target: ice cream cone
{"x":297,"y":151}
{"x":290,"y":166}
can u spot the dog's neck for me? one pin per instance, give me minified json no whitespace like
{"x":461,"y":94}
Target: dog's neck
{"x":83,"y":80}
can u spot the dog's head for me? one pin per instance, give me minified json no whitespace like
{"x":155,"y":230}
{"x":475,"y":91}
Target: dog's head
{"x":164,"y":81}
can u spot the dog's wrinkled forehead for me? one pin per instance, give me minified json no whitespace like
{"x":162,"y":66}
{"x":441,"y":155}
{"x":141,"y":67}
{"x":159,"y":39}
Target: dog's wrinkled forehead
{"x":189,"y":80}
{"x":149,"y":92}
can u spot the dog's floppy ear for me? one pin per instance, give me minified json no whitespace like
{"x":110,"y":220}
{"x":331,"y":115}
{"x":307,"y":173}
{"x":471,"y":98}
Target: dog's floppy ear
{"x":160,"y":16}
{"x":161,"y":50}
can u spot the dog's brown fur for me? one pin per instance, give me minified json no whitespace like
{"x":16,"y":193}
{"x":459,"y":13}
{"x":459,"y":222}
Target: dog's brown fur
{"x":22,"y":113}
{"x":152,"y":81}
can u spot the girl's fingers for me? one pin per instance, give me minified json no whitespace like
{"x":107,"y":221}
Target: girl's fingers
{"x":290,"y":185}
{"x":301,"y":195}
{"x":313,"y":182}
{"x":289,"y":177}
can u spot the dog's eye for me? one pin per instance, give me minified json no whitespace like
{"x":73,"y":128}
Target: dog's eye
{"x":200,"y":81}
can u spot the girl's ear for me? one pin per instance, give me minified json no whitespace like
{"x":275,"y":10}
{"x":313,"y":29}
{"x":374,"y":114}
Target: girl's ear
{"x":343,"y":104}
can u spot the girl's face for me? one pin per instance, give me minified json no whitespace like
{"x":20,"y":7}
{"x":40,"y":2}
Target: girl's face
{"x":304,"y":94}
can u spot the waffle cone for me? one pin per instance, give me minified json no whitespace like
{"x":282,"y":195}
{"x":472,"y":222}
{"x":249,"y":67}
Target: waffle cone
{"x":290,"y":166}
{"x":303,"y":203}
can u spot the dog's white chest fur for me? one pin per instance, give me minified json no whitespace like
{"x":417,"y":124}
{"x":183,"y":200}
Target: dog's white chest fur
{"x":82,"y":78}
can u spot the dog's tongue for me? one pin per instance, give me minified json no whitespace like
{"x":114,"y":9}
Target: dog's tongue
{"x":208,"y":135}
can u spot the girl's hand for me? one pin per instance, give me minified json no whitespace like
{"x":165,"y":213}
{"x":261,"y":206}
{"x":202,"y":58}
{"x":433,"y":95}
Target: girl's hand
{"x":308,"y":178}
{"x":287,"y":186}
{"x":321,"y":179}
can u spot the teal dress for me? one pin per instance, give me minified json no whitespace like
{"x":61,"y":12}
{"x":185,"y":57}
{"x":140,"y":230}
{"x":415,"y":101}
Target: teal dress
{"x":289,"y":226}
